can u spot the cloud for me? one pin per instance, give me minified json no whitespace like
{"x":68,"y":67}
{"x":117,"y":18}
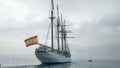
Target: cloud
{"x":16,"y":14}
{"x":98,"y":39}
{"x":95,"y":25}
{"x":113,"y":21}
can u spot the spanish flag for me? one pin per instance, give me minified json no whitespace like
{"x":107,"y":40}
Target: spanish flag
{"x":31,"y":41}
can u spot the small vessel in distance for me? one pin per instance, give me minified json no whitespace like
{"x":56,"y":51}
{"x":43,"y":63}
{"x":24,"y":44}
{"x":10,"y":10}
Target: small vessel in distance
{"x":90,"y":60}
{"x":49,"y":55}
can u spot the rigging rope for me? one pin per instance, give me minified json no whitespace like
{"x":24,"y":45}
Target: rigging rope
{"x":47,"y":35}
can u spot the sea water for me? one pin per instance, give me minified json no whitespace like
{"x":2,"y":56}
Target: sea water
{"x":73,"y":64}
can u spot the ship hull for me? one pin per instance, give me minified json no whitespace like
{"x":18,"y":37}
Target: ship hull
{"x":52,"y":57}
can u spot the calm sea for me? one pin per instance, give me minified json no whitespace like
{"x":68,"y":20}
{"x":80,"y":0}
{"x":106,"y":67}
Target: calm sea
{"x":73,"y":64}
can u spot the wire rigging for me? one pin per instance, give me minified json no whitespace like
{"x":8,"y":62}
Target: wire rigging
{"x":47,"y":35}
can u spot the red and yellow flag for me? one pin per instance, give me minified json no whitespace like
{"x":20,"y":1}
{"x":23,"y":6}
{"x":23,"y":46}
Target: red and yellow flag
{"x":31,"y":41}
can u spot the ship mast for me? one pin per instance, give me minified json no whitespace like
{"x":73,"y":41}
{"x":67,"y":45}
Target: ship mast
{"x":52,"y":19}
{"x":58,"y":25}
{"x":62,"y":33}
{"x":65,"y":35}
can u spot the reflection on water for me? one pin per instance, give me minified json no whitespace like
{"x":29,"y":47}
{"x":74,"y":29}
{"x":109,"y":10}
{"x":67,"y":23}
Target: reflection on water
{"x":65,"y":65}
{"x":75,"y":64}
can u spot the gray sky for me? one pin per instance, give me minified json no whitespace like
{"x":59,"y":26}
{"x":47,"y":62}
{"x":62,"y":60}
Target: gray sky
{"x":95,"y":25}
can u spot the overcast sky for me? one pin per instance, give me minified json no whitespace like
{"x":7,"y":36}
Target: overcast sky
{"x":95,"y":25}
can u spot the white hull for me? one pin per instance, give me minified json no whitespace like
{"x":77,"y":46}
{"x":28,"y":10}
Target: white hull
{"x":52,"y":57}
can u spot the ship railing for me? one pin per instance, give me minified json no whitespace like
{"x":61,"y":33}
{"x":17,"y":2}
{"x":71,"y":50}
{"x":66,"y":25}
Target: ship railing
{"x":47,"y":48}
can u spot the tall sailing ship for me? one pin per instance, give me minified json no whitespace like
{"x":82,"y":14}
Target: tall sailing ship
{"x":48,"y":54}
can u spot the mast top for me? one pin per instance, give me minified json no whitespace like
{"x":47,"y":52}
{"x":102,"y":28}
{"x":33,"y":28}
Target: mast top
{"x":52,"y":5}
